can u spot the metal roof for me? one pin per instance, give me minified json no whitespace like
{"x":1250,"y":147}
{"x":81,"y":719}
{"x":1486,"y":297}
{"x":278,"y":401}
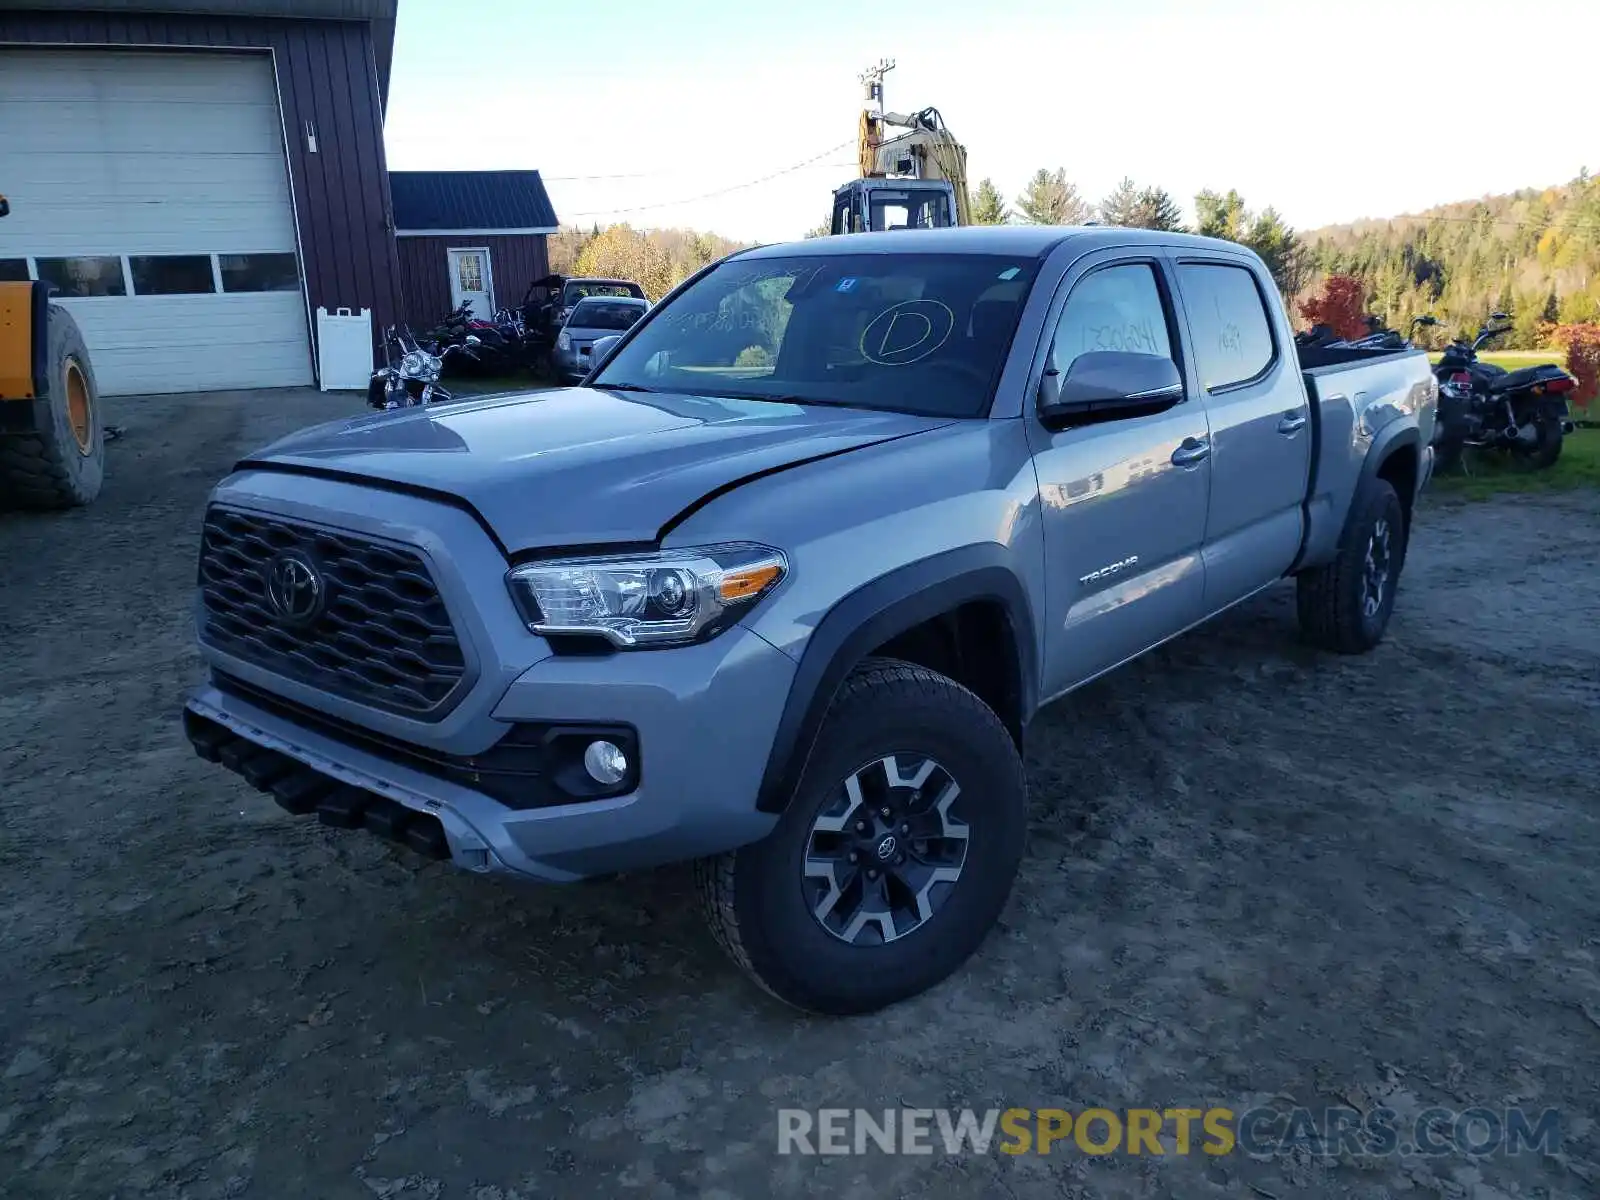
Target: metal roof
{"x":380,"y":13}
{"x":470,"y":202}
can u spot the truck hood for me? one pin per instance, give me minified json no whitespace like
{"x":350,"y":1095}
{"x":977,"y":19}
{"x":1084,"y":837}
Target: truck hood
{"x":581,"y":466}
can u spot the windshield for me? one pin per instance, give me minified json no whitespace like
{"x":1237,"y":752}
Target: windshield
{"x":921,"y":333}
{"x":573,"y":292}
{"x":604,"y":314}
{"x":917,"y":210}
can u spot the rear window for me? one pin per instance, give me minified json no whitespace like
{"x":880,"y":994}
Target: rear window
{"x":604,"y":314}
{"x":1232,"y":333}
{"x":922,"y":333}
{"x":573,"y":292}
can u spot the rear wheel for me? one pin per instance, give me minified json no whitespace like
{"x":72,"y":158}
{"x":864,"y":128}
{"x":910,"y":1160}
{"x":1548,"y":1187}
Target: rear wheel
{"x":1544,"y":450}
{"x":1345,"y":606}
{"x":62,"y":463}
{"x":894,"y":857}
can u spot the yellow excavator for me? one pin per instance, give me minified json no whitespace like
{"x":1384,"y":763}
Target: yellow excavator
{"x":914,"y":179}
{"x":52,"y":446}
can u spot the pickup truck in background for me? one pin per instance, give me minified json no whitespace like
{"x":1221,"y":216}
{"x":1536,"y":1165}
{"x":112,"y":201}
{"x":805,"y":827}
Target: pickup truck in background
{"x":780,"y":587}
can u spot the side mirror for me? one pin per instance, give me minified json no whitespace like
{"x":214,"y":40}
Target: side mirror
{"x":601,"y":347}
{"x":5,"y":207}
{"x":1103,"y":385}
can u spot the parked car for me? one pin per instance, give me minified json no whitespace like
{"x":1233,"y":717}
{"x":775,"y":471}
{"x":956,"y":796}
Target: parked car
{"x":576,"y":289}
{"x":781,"y":589}
{"x":590,"y":319}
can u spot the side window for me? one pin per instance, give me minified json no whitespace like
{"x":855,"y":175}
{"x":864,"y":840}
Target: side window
{"x":1232,"y":333}
{"x":1115,"y":308}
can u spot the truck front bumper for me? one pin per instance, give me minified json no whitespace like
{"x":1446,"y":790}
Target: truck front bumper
{"x":702,"y":719}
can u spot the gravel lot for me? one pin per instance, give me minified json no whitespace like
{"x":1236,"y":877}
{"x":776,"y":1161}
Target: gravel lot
{"x":1255,"y":875}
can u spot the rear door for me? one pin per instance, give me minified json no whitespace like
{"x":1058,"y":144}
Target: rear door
{"x":1245,"y":372}
{"x":1123,"y":501}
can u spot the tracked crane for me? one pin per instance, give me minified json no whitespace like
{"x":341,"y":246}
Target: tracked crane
{"x":914,"y":179}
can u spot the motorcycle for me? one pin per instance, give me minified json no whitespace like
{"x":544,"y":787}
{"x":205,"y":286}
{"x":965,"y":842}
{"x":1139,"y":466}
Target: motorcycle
{"x":1377,"y":336}
{"x":1521,"y":413}
{"x":409,"y":377}
{"x":497,"y":350}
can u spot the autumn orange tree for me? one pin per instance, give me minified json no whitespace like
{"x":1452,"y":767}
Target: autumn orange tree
{"x":1582,"y":344}
{"x":1341,"y":306}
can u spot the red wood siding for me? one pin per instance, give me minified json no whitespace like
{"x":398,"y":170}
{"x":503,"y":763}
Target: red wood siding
{"x":515,"y":261}
{"x":326,"y":75}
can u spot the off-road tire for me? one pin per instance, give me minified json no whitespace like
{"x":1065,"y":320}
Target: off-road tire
{"x":1330,"y":598}
{"x":61,"y":464}
{"x":754,"y":900}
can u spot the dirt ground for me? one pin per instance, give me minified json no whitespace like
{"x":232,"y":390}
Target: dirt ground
{"x":1256,"y":875}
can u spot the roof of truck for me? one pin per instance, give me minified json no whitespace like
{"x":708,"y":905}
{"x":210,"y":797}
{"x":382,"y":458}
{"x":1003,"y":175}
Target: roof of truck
{"x":984,"y":239}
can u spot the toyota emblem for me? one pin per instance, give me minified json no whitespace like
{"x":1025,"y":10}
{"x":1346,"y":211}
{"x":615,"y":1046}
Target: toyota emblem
{"x":294,"y":588}
{"x":887,"y":847}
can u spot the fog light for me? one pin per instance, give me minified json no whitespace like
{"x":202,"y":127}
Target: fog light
{"x":605,"y":762}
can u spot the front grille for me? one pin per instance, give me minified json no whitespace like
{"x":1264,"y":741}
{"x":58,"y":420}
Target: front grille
{"x":381,"y":637}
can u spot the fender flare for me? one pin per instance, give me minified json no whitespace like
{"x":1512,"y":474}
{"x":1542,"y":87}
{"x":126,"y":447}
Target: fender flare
{"x":871,"y":615}
{"x":1394,"y":436}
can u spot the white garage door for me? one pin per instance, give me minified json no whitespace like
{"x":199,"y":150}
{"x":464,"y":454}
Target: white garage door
{"x":151,"y":189}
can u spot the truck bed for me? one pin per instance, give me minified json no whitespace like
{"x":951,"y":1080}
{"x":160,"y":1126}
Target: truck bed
{"x":1355,"y":395}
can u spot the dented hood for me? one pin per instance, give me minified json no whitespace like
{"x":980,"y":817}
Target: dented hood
{"x":581,"y":466}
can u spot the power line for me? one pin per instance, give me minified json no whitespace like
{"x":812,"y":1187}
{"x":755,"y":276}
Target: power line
{"x":799,"y":166}
{"x":843,"y":166}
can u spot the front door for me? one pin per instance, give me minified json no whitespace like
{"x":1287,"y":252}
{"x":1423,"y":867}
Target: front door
{"x":1247,"y":373}
{"x":1123,"y":501}
{"x":470,"y":282}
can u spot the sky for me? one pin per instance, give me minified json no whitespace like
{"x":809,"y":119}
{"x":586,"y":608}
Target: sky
{"x":642,"y":112}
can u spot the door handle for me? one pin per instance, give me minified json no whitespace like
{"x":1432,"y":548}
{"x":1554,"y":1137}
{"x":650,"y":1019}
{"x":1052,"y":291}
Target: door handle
{"x":1292,"y":423}
{"x":1190,"y":451}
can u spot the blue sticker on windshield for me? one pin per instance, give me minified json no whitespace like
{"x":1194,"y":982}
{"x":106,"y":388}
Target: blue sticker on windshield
{"x":846,"y":285}
{"x":1010,"y":273}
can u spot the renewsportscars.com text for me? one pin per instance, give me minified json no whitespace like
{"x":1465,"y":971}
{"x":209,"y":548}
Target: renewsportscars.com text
{"x":1257,"y":1132}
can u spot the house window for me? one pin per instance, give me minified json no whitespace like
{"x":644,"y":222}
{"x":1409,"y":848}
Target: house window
{"x":100,"y":275}
{"x":13,"y":270}
{"x":469,"y":272}
{"x":259,"y":272}
{"x":171,"y":274}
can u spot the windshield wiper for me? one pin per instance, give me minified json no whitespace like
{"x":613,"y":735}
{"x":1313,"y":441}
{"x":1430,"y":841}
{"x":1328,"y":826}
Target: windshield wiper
{"x":623,"y":387}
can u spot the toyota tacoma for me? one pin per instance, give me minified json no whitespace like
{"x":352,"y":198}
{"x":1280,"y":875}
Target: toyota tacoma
{"x":780,"y":587}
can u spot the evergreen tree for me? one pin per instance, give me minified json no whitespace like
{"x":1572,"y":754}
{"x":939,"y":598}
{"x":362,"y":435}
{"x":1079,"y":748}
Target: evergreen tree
{"x":1049,"y":199}
{"x":1120,"y":207}
{"x":989,"y":206}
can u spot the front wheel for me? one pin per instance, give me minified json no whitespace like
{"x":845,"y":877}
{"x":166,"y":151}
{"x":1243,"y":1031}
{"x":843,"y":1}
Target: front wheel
{"x":895,"y":856}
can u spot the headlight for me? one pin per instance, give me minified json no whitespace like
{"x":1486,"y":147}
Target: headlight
{"x":564,"y":342}
{"x":666,"y":598}
{"x":414,"y":363}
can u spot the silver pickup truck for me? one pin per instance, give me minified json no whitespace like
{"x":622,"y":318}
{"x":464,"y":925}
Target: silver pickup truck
{"x":780,"y":587}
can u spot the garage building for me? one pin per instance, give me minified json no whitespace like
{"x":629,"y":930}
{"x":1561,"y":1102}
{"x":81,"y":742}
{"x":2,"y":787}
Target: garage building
{"x":198,"y":178}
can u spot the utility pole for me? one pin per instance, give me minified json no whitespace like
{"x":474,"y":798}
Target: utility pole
{"x":872,"y":80}
{"x":870,"y":133}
